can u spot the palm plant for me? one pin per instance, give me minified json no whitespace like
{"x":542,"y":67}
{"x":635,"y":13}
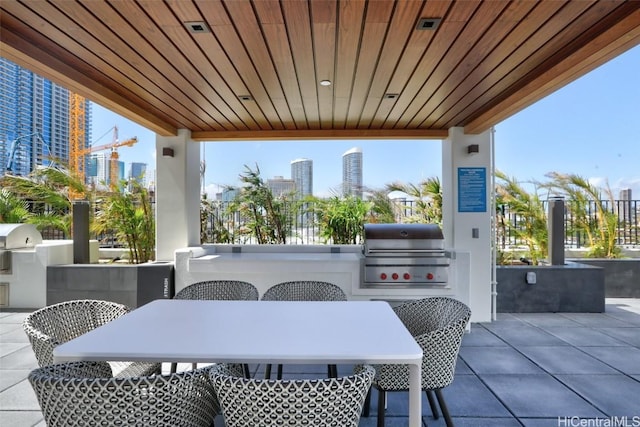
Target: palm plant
{"x":599,"y":229}
{"x":50,"y":186}
{"x":383,"y":209}
{"x":341,"y":220}
{"x":131,"y":217}
{"x":427,"y":197}
{"x":218,"y":232}
{"x":13,"y":210}
{"x":266,"y":216}
{"x":530,"y":214}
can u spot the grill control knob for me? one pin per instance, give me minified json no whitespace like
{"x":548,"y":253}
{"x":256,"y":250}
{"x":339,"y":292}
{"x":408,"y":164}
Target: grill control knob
{"x":407,"y":276}
{"x":394,"y":276}
{"x":383,"y":276}
{"x":430,"y":276}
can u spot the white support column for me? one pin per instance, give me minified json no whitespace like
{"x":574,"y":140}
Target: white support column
{"x":466,"y":183}
{"x":177,"y":195}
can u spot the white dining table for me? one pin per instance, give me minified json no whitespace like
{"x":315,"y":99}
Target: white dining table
{"x":341,"y":332}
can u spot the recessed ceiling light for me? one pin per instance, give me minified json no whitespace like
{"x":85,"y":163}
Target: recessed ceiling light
{"x":390,"y":95}
{"x":428,"y":23}
{"x":197,"y":27}
{"x":245,"y":98}
{"x":325,"y":82}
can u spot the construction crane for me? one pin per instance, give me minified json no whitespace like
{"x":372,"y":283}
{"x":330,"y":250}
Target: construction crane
{"x":113,"y":159}
{"x":15,"y":146}
{"x":77,"y":150}
{"x":77,"y":134}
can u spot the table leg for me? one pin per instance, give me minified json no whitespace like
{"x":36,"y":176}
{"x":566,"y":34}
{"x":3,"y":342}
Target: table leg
{"x":415,"y":401}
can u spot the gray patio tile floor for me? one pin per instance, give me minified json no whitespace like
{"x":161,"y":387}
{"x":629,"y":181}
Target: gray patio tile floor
{"x":617,"y":395}
{"x":624,"y":359}
{"x":523,"y":370}
{"x":566,"y":360}
{"x":584,"y":336}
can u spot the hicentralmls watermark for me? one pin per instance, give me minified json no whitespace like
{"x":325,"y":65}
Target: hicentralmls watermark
{"x":599,"y":422}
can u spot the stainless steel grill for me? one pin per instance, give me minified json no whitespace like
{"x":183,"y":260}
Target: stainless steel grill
{"x":16,"y":236}
{"x":404,"y":255}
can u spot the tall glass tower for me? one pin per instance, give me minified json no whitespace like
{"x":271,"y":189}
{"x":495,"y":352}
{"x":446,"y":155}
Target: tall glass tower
{"x":302,"y":175}
{"x":34,"y":120}
{"x":352,"y":172}
{"x":137,"y":173}
{"x":98,"y":170}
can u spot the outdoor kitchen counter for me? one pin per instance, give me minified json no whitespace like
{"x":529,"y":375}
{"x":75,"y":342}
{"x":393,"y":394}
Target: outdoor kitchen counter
{"x":267,"y":265}
{"x":270,"y":264}
{"x":273,"y":261}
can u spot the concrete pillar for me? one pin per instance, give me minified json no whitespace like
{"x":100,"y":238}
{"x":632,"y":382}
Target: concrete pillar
{"x":80,"y":211}
{"x":467,"y":204}
{"x":555,"y":228}
{"x":177,"y":194}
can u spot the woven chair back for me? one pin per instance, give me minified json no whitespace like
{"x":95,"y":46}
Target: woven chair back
{"x":55,"y":324}
{"x":304,"y":291}
{"x":84,"y":394}
{"x":231,"y":290}
{"x":438,"y":325}
{"x":317,"y":402}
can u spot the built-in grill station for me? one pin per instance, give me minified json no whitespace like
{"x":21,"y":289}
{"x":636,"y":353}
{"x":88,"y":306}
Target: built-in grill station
{"x":405,"y":256}
{"x":16,"y":236}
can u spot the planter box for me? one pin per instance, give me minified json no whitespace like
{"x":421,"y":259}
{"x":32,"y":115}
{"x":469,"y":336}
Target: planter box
{"x":621,"y":276}
{"x":573,"y":287}
{"x":130,"y":284}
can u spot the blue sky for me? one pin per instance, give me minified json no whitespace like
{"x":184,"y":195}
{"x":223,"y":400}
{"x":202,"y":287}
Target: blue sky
{"x":590,"y":127}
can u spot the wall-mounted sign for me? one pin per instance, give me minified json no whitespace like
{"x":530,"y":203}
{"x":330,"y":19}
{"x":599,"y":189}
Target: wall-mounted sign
{"x":472,"y":189}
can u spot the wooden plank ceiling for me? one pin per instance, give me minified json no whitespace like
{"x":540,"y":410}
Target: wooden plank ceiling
{"x":254,"y":71}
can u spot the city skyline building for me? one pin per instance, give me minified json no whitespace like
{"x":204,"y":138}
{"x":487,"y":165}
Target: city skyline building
{"x":137,"y":173}
{"x":281,"y":186}
{"x":302,"y":175}
{"x":626,"y":209}
{"x":352,"y":172}
{"x":121,"y":169}
{"x":98,"y":170}
{"x":34,"y":120}
{"x":227,"y":194}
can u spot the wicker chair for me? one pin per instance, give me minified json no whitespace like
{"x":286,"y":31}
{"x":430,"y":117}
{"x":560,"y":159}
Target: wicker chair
{"x":317,"y":402}
{"x":437,"y":324}
{"x":233,"y":290}
{"x":304,"y":291}
{"x":56,"y":324}
{"x":228,"y":290}
{"x":85,"y":394}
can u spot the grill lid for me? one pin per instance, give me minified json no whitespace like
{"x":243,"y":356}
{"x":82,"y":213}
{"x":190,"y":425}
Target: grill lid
{"x":399,"y":239}
{"x":14,"y":236}
{"x":403,"y":231}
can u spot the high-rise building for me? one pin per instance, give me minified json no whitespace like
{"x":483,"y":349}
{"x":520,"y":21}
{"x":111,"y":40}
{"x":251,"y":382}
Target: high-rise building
{"x":228,"y":194}
{"x":34,"y":120}
{"x":352,"y":172}
{"x":625,"y":194}
{"x":137,"y":173}
{"x":625,"y":210}
{"x":281,"y":186}
{"x":302,"y":175}
{"x":98,"y":169}
{"x":120,"y":170}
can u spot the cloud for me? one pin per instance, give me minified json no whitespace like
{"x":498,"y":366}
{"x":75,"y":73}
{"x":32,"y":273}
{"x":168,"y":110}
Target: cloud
{"x":617,"y":185}
{"x":211,"y":190}
{"x":624,"y":183}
